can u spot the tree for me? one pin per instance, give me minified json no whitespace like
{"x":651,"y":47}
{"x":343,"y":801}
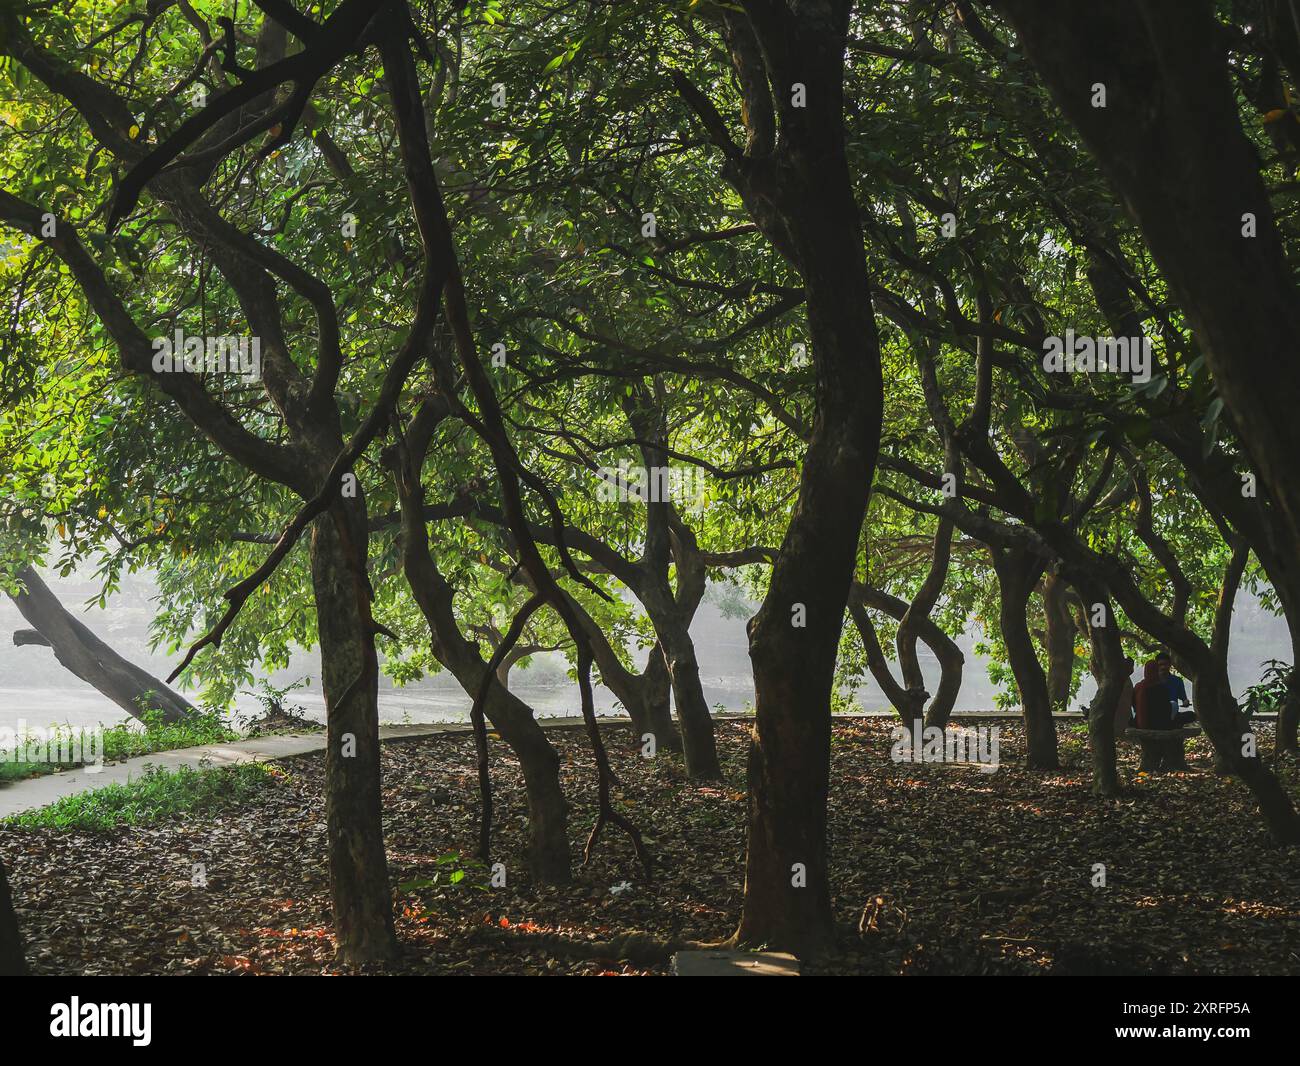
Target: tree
{"x":313,"y":460}
{"x":789,"y":63}
{"x":84,"y":654}
{"x":1170,"y":139}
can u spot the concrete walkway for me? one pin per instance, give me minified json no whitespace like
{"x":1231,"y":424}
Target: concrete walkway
{"x":37,"y":792}
{"x":42,"y":791}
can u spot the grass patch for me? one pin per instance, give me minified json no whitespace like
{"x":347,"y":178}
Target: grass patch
{"x":122,"y":741}
{"x":158,"y":794}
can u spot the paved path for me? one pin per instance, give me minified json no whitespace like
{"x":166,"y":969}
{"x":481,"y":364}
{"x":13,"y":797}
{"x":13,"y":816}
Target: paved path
{"x":42,"y":791}
{"x":37,"y":792}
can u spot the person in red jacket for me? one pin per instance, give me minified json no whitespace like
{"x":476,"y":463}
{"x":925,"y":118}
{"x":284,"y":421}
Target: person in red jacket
{"x":1152,"y":707}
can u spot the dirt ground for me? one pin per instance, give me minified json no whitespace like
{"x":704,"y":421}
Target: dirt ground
{"x":936,"y":868}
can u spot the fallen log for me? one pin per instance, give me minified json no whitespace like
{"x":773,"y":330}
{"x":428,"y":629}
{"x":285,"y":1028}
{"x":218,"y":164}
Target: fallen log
{"x":82,"y":653}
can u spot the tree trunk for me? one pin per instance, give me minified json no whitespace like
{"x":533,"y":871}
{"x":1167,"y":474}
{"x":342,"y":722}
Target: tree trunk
{"x":1108,"y":668}
{"x":549,"y":861}
{"x":359,"y":889}
{"x":12,"y":962}
{"x":1059,"y":641}
{"x":1018,"y":572}
{"x":908,"y":704}
{"x":698,"y":742}
{"x":655,"y":685}
{"x":1228,"y":731}
{"x":644,"y":696}
{"x":801,"y":195}
{"x":945,"y":649}
{"x":671,"y":611}
{"x":951,"y":664}
{"x":1288,"y":716}
{"x":89,"y":658}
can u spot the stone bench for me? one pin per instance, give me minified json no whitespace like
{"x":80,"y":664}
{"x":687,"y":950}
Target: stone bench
{"x":1162,"y":749}
{"x":734,"y":964}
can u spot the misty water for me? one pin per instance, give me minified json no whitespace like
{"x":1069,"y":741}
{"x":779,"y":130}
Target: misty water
{"x":36,"y":691}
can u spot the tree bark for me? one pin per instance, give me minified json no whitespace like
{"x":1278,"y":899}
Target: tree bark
{"x":1018,"y":572}
{"x":12,"y":962}
{"x":1108,"y":668}
{"x":1227,"y":728}
{"x":669,"y":539}
{"x":800,"y":192}
{"x":1059,"y":641}
{"x":656,"y":711}
{"x":82,"y":653}
{"x":1285,"y":740}
{"x":359,"y":889}
{"x":644,"y":696}
{"x":914,"y":621}
{"x":549,"y":860}
{"x":693,"y":717}
{"x":1288,"y":716}
{"x":909,"y":704}
{"x":951,"y":663}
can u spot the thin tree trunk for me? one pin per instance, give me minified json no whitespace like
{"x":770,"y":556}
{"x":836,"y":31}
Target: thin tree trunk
{"x":1108,"y":668}
{"x":655,"y":684}
{"x":1229,"y":732}
{"x":1288,"y":716}
{"x":1285,"y":741}
{"x":1058,"y":636}
{"x":359,"y":889}
{"x":671,"y":611}
{"x":951,"y":664}
{"x":549,"y":860}
{"x":1018,"y":572}
{"x":922,"y":604}
{"x":945,"y":649}
{"x":693,"y":717}
{"x":644,"y":696}
{"x":78,"y":650}
{"x":909,"y":704}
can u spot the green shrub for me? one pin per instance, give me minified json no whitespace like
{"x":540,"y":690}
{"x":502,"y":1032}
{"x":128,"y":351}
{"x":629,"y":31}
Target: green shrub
{"x":125,"y":740}
{"x":158,"y":794}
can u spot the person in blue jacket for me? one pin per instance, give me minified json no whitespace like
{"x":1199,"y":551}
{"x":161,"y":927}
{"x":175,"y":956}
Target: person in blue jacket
{"x":1176,"y":688}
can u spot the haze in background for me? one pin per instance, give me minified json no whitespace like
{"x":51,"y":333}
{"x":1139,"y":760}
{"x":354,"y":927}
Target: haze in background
{"x":36,"y":689}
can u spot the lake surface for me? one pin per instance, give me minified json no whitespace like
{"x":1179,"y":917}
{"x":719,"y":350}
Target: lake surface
{"x":39,"y":692}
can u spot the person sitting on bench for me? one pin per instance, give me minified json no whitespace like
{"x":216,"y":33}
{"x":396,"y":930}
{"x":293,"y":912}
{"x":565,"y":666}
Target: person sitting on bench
{"x":1176,"y":688}
{"x":1156,"y":717}
{"x":1152,"y":707}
